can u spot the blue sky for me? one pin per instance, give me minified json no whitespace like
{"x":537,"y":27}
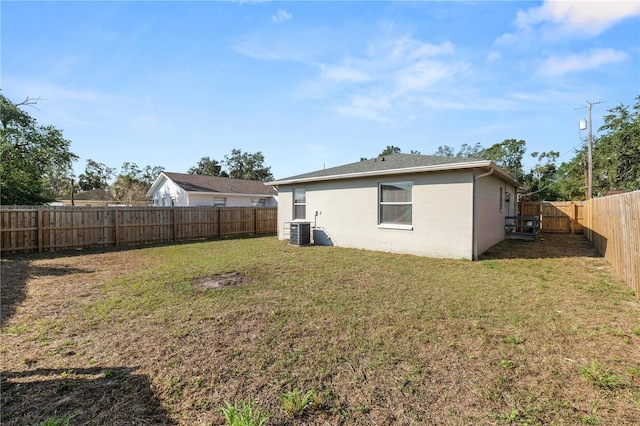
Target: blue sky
{"x":316,"y":84}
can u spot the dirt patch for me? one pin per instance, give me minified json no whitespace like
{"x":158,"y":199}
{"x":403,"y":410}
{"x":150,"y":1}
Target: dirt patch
{"x":227,"y":279}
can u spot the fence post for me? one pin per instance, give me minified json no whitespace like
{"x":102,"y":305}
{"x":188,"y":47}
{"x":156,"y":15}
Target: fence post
{"x":40,"y":233}
{"x":117,"y":226}
{"x":255,"y":221}
{"x":175,"y":223}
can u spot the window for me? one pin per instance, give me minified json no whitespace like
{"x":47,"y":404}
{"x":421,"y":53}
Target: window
{"x":299,"y":204}
{"x":396,"y":205}
{"x":219,"y":201}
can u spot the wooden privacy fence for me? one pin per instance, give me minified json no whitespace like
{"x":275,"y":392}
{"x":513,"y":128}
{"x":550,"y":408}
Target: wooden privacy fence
{"x":612,"y":223}
{"x":556,"y":217}
{"x":44,"y":229}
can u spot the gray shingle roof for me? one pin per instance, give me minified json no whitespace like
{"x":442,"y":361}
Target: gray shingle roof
{"x":386,"y":163}
{"x":224,"y":185}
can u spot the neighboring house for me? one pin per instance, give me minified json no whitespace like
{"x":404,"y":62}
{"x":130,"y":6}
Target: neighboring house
{"x":91,"y":198}
{"x":433,"y":206}
{"x":181,"y":189}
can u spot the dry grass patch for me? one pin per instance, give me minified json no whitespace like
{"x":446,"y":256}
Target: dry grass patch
{"x":379,"y":338}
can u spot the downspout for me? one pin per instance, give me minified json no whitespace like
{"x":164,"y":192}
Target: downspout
{"x":474,"y":237}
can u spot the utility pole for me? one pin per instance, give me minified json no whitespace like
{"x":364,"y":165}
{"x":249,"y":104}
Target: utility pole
{"x":590,"y":151}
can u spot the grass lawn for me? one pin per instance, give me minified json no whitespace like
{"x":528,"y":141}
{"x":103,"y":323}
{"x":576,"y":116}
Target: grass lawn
{"x":535,"y":333}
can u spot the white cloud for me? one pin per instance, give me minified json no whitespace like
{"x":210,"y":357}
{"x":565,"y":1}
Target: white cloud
{"x":425,"y":74}
{"x":281,"y":16}
{"x":343,"y":73}
{"x":558,"y":18}
{"x":559,"y":65}
{"x":389,"y":77}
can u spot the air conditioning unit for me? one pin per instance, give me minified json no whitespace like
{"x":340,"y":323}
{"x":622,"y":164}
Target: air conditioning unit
{"x":300,"y":233}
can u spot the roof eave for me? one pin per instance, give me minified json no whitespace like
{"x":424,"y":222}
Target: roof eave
{"x":156,"y":183}
{"x":407,"y":170}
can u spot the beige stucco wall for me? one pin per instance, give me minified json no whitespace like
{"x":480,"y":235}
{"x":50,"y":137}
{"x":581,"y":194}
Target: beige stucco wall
{"x":348,"y":213}
{"x":490,"y":212}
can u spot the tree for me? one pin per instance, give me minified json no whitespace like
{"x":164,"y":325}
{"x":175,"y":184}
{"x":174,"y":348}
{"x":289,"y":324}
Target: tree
{"x":390,"y":149}
{"x":572,"y":177}
{"x":541,"y":181}
{"x":208,"y":166}
{"x":508,"y":155}
{"x":96,"y":176}
{"x":32,"y":156}
{"x":616,"y":154}
{"x":465,"y":150}
{"x":444,"y":151}
{"x":244,"y":165}
{"x":133,"y":182}
{"x":150,"y":174}
{"x":471,"y":151}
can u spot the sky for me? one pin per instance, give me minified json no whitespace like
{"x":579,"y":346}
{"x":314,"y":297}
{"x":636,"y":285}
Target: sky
{"x":315,"y":84}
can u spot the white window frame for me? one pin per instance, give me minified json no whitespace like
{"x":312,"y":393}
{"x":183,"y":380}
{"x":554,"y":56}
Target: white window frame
{"x":217,"y":203}
{"x":387,"y":225}
{"x":299,"y":204}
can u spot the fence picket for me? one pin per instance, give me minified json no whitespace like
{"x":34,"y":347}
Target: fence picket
{"x":44,"y":229}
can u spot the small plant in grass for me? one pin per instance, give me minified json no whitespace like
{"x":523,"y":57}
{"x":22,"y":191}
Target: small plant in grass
{"x":56,"y":421}
{"x":295,"y":403}
{"x":590,"y":420}
{"x":507,"y":363}
{"x":513,"y":340}
{"x":246,"y":414}
{"x":604,"y":379}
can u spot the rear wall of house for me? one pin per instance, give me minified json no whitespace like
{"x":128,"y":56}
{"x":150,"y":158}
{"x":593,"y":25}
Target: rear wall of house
{"x":347,"y":211}
{"x":491,"y":208}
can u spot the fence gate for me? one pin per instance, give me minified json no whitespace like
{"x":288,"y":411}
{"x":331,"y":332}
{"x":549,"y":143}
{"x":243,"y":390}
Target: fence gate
{"x":557,"y":217}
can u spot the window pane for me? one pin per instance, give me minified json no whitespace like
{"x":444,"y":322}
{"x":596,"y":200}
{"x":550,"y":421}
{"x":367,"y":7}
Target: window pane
{"x":399,"y":214}
{"x":300,"y":212}
{"x":396,"y":192}
{"x":299,"y":196}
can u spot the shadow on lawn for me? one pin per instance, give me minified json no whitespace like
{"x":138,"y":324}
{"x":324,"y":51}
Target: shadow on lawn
{"x":15,"y":273}
{"x":97,"y":395}
{"x":546,"y":246}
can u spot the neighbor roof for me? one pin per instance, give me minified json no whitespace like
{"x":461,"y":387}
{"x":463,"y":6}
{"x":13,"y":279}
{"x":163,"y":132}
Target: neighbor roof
{"x":216,"y":184}
{"x":394,"y":164}
{"x":91,"y":195}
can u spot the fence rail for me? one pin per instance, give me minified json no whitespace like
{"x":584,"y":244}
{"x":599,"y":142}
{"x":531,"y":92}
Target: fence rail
{"x":612,"y":223}
{"x":45,"y":229}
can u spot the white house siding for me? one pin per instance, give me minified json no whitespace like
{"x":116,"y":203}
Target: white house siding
{"x":169,"y":192}
{"x":490,"y":213}
{"x":231,"y":200}
{"x":348,"y":213}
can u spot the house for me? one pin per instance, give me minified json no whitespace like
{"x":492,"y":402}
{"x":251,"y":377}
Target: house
{"x":425,"y":205}
{"x":187,"y":190}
